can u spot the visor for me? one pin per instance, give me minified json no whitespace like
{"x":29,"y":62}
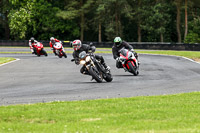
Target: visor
{"x":76,"y":47}
{"x":117,"y":43}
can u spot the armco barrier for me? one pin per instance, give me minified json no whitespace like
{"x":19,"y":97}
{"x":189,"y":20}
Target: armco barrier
{"x":136,"y":45}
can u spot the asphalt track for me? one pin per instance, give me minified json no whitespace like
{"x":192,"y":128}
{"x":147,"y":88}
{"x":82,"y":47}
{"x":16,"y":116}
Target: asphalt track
{"x":35,"y":79}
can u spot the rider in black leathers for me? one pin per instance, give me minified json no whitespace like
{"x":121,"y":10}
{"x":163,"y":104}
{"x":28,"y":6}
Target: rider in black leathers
{"x":118,"y":45}
{"x":79,"y":47}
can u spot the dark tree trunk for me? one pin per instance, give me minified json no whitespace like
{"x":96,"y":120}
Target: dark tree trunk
{"x":161,"y":37}
{"x":178,"y":19}
{"x":186,"y":20}
{"x":7,"y":29}
{"x":82,"y":22}
{"x":100,"y":39}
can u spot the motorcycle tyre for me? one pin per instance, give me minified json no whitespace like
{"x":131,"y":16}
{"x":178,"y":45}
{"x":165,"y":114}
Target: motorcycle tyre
{"x":94,"y":75}
{"x":64,"y":54}
{"x":38,"y":54}
{"x":44,"y":52}
{"x":108,"y":78}
{"x":132,"y":69}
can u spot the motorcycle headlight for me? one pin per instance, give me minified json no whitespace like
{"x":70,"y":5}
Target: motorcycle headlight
{"x":82,"y":62}
{"x":87,"y":59}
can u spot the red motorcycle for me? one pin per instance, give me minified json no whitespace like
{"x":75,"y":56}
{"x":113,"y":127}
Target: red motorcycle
{"x":39,"y":49}
{"x":129,"y":61}
{"x":59,"y":50}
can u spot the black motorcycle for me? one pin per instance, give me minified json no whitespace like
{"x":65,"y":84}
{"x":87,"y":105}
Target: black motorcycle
{"x":94,"y":67}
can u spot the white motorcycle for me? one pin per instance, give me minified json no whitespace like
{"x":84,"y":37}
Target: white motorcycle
{"x":59,"y":50}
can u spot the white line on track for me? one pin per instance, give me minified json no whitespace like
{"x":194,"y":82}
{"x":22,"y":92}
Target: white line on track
{"x":16,"y":59}
{"x":175,"y":56}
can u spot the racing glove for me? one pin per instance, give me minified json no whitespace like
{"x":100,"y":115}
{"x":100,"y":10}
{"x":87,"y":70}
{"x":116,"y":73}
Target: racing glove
{"x":117,"y":59}
{"x":132,"y":50}
{"x":77,"y":62}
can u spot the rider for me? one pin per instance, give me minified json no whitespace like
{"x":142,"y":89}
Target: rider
{"x":119,"y":44}
{"x":79,"y":47}
{"x":32,"y":43}
{"x":52,"y":42}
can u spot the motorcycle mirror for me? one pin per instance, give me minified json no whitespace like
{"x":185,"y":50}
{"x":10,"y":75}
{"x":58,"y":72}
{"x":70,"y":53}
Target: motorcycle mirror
{"x":91,"y":43}
{"x":70,"y":43}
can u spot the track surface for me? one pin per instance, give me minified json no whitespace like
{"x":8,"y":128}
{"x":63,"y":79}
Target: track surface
{"x":43,"y":79}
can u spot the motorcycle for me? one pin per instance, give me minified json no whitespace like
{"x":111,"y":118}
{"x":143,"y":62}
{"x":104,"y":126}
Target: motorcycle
{"x":59,"y":50}
{"x":129,"y":61}
{"x":39,"y":49}
{"x":94,"y":67}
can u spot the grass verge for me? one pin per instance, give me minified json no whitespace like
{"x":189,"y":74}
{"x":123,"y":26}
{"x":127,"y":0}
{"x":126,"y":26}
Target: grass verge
{"x":169,"y":113}
{"x":6,"y":59}
{"x":189,"y":54}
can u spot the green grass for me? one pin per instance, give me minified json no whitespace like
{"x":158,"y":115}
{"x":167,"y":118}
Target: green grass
{"x":5,"y":59}
{"x":189,"y":54}
{"x":169,"y":113}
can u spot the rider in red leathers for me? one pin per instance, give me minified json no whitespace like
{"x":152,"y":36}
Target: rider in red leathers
{"x":32,"y":43}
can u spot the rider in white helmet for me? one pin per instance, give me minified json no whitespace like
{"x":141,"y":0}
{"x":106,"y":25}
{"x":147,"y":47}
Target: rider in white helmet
{"x":32,"y":43}
{"x":52,"y":42}
{"x":79,"y":47}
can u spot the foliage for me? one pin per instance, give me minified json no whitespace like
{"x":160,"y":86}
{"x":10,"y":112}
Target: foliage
{"x":19,"y":21}
{"x":152,"y":20}
{"x":38,"y":19}
{"x":194,"y":34}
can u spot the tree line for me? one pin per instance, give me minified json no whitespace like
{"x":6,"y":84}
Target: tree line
{"x":101,"y":20}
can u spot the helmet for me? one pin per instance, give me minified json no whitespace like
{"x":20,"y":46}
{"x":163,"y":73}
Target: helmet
{"x":32,"y":39}
{"x":52,"y":39}
{"x":76,"y":45}
{"x":118,"y":41}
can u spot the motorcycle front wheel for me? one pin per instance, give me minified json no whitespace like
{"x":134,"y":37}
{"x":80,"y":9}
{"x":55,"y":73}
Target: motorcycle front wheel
{"x":44,"y":52}
{"x":133,"y":69}
{"x":64,"y":54}
{"x":95,"y":74}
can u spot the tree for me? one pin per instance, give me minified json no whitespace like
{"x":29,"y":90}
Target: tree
{"x":186,"y":19}
{"x":114,"y":10}
{"x":37,"y":18}
{"x":76,"y":9}
{"x":178,"y":19}
{"x":4,"y":10}
{"x":157,"y":19}
{"x":19,"y":20}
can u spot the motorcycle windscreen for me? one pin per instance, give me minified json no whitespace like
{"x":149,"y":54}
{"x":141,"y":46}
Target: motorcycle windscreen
{"x":124,"y":52}
{"x":82,"y":55}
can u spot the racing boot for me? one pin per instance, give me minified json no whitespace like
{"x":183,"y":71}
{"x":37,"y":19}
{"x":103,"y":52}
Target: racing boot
{"x":106,"y":67}
{"x":136,"y":56}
